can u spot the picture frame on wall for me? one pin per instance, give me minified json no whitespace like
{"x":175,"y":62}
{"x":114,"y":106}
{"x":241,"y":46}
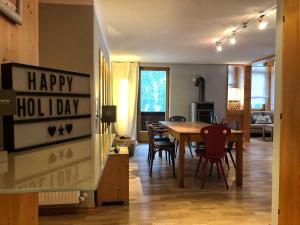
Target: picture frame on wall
{"x":12,"y":9}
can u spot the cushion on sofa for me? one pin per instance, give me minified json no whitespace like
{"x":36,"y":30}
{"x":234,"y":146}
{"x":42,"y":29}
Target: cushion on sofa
{"x":270,"y":114}
{"x":256,"y":114}
{"x":263,"y":120}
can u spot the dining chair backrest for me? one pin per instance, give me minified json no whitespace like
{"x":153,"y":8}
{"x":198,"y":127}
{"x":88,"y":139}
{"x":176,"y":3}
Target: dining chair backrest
{"x":233,"y":125}
{"x":213,"y":118}
{"x":150,"y":130}
{"x":214,"y":139}
{"x":177,"y":119}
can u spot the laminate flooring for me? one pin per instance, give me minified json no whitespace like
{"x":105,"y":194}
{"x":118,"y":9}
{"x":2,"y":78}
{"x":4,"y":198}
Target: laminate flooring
{"x":158,"y":200}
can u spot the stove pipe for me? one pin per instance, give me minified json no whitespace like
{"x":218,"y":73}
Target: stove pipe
{"x":200,"y":82}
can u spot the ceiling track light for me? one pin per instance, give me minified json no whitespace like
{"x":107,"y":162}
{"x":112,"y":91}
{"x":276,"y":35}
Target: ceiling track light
{"x":233,"y":39}
{"x":262,"y":24}
{"x":219,"y":46}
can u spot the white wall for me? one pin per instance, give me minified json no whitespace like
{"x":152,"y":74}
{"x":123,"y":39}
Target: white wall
{"x":66,"y":37}
{"x":99,"y":43}
{"x":71,"y":39}
{"x":183,"y":92}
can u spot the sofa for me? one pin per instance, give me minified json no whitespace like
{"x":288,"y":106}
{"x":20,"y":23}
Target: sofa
{"x":258,"y":120}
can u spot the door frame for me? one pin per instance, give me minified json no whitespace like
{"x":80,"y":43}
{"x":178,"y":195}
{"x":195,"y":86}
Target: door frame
{"x":142,"y":136}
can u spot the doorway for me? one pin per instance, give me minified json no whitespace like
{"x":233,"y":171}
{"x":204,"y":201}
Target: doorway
{"x":153,"y":102}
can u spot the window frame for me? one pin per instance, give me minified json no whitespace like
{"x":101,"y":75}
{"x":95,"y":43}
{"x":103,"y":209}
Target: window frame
{"x":140,"y":134}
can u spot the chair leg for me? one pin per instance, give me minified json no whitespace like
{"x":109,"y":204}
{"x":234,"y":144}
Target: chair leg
{"x":151,"y":165}
{"x":204,"y":173}
{"x":148,"y":158}
{"x":227,"y":162}
{"x":173,"y":162}
{"x":211,"y":166}
{"x":218,"y":171}
{"x":152,"y":154}
{"x":190,"y":149}
{"x":198,"y":166}
{"x":166,"y":155}
{"x":176,"y":147}
{"x":223,"y":174}
{"x":230,"y":154}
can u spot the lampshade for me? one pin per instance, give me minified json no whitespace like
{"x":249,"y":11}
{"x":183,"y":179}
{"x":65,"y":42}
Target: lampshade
{"x":234,"y":94}
{"x":109,"y":113}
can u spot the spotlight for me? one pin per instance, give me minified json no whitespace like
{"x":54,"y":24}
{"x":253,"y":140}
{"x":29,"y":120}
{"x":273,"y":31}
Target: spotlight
{"x":232,"y":39}
{"x":261,"y":23}
{"x":219,"y":46}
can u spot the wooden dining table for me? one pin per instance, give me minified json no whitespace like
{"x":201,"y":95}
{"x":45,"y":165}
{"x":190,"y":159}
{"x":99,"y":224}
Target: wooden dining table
{"x":190,"y":132}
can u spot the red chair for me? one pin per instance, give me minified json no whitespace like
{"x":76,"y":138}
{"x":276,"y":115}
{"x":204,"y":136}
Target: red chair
{"x":214,"y":141}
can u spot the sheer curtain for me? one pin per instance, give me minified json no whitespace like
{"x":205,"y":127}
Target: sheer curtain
{"x":125,"y":95}
{"x":259,"y":87}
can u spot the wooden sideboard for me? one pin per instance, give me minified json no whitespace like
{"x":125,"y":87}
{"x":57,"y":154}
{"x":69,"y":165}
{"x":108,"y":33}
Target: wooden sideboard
{"x":114,"y":183}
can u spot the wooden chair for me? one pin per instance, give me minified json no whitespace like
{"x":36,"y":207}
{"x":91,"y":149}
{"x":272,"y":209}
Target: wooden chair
{"x":156,"y":146}
{"x":159,"y":130}
{"x":180,"y":119}
{"x":214,"y":141}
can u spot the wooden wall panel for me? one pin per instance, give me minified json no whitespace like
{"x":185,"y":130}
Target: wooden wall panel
{"x":19,"y":209}
{"x":19,"y":43}
{"x":289,"y":197}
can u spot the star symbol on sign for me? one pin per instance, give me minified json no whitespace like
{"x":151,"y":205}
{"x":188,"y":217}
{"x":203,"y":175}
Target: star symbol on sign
{"x":61,"y":154}
{"x":61,"y":131}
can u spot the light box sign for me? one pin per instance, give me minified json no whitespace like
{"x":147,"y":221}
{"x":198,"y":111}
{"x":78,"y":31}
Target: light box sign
{"x":52,"y":106}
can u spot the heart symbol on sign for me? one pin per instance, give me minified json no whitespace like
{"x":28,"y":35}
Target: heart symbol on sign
{"x":51,"y":130}
{"x":69,"y":128}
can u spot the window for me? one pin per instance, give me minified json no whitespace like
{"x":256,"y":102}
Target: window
{"x":153,"y":91}
{"x":153,"y":98}
{"x":259,"y":87}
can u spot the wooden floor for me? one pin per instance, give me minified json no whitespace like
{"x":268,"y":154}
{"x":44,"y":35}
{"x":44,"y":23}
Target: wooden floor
{"x":158,"y":200}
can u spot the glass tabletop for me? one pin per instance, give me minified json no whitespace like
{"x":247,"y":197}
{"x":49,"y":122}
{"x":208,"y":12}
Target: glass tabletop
{"x":76,"y":165}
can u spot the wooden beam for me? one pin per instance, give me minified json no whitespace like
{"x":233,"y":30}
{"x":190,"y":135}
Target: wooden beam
{"x":263,"y":59}
{"x":269,"y":65}
{"x":247,"y":102}
{"x":236,"y":77}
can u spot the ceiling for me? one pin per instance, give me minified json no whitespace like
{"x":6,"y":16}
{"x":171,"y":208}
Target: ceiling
{"x":177,"y":31}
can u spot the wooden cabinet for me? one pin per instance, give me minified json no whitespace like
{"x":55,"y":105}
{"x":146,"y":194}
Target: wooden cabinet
{"x":19,"y":209}
{"x":114,"y":182}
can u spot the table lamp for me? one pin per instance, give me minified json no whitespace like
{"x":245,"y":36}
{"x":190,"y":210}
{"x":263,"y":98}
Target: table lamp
{"x":109,"y":114}
{"x":234,"y":98}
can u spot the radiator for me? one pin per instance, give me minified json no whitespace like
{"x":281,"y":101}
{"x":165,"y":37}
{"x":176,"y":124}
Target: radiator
{"x":59,"y":198}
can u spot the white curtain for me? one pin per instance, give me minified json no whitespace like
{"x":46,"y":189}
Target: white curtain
{"x":125,"y":95}
{"x":259,"y":86}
